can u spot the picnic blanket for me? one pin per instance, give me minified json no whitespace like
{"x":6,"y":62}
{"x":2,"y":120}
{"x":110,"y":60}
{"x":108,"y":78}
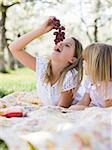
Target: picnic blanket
{"x":52,"y":127}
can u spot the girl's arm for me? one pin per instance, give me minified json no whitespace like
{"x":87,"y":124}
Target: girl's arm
{"x":66,"y":99}
{"x":85,"y":100}
{"x":108,"y":103}
{"x":83,"y":103}
{"x":17,"y":47}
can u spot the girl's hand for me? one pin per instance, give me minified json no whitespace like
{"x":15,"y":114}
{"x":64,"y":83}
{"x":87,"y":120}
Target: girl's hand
{"x":108,"y":103}
{"x":77,"y":107}
{"x":47,"y":25}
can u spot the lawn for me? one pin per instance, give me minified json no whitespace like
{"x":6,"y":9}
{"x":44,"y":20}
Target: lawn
{"x":20,"y":80}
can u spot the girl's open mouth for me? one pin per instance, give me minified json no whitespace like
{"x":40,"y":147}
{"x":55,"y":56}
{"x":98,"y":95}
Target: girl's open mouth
{"x":57,"y":50}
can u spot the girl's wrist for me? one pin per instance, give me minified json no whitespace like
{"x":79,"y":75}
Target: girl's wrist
{"x":40,"y":31}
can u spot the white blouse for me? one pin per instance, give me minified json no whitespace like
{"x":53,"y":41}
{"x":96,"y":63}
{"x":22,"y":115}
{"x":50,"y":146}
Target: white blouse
{"x":49,"y":95}
{"x":80,"y":93}
{"x":98,"y":95}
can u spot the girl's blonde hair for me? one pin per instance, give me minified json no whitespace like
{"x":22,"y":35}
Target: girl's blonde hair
{"x":77,"y":65}
{"x":99,"y":62}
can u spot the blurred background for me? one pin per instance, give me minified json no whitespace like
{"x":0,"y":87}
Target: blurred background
{"x":87,"y":20}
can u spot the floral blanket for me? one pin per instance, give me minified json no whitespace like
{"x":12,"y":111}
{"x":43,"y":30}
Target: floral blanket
{"x":52,"y":127}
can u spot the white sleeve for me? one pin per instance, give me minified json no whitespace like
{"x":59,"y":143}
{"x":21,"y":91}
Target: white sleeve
{"x":70,"y":81}
{"x":87,"y":85}
{"x":41,"y":66}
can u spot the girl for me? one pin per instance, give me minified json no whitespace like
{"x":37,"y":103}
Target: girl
{"x":57,"y":76}
{"x":98,"y":66}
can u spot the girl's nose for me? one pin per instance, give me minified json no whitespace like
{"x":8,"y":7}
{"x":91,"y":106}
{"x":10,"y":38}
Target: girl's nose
{"x":60,"y":44}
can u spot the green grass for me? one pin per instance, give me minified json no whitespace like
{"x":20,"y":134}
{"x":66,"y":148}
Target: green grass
{"x":3,"y":145}
{"x":20,"y":80}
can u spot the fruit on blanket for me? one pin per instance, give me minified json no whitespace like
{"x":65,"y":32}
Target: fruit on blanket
{"x":50,"y":145}
{"x":60,"y":34}
{"x":31,"y":146}
{"x":2,"y":104}
{"x":13,"y":114}
{"x":1,"y":113}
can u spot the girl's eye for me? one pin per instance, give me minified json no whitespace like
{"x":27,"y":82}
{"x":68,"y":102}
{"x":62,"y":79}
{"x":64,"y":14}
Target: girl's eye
{"x":67,"y":45}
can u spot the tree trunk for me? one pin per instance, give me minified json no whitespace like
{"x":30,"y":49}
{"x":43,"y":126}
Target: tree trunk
{"x":12,"y":61}
{"x":3,"y":42}
{"x":96,"y":30}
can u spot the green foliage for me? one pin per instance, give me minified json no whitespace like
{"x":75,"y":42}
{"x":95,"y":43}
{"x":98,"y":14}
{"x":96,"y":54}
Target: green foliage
{"x":19,"y":80}
{"x":7,"y":2}
{"x":3,"y":145}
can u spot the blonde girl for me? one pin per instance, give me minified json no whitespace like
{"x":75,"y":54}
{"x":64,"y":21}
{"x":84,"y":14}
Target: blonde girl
{"x":58,"y":76}
{"x":98,"y":67}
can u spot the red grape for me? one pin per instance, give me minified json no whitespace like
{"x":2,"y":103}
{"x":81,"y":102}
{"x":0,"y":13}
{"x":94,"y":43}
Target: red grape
{"x":55,"y":33}
{"x":62,"y":28}
{"x":60,"y":35}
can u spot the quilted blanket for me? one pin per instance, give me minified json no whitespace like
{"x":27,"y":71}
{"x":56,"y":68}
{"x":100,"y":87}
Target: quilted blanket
{"x":52,"y":127}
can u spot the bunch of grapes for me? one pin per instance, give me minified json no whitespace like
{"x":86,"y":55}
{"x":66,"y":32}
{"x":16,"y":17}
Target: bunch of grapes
{"x":60,"y":34}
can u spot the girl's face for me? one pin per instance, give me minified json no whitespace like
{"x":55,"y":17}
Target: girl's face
{"x":64,"y":52}
{"x":85,"y":67}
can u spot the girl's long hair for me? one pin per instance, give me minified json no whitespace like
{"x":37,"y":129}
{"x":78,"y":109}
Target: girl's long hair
{"x":71,"y":67}
{"x":99,"y":63}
